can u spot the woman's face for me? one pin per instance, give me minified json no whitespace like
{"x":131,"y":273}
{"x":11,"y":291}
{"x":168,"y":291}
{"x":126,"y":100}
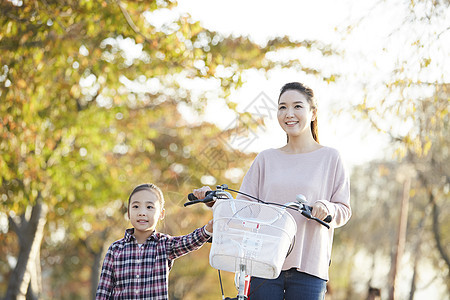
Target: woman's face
{"x":295,"y":113}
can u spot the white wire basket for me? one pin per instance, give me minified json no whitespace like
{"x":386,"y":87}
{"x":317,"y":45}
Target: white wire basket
{"x":252,"y":234}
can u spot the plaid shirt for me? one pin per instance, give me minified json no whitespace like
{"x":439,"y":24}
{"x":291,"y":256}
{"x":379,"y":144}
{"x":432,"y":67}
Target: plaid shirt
{"x":133,"y":272}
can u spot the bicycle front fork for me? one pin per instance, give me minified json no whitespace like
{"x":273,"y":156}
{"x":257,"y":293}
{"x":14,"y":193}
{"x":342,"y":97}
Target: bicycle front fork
{"x":241,"y":294}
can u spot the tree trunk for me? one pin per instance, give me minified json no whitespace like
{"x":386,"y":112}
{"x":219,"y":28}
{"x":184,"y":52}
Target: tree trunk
{"x":413,"y":287}
{"x":401,"y":237}
{"x":25,"y":278}
{"x":435,"y":218}
{"x":97,"y":253}
{"x":417,"y":252}
{"x":35,"y":286}
{"x":437,"y":233}
{"x":95,"y":272}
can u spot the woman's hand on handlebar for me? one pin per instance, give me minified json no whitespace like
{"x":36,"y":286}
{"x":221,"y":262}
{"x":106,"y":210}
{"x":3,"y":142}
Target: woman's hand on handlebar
{"x":201,"y":193}
{"x":319,"y":211}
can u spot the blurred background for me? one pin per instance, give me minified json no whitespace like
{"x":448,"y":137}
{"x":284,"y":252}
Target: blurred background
{"x":99,"y":96}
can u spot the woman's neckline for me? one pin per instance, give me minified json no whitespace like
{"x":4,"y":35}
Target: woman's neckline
{"x":299,"y":153}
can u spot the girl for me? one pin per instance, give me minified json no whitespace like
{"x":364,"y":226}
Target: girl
{"x":137,"y":266}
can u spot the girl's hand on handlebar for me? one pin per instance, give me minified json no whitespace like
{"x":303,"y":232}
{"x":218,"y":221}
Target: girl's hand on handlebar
{"x":319,"y":211}
{"x":201,"y":193}
{"x":209,"y":226}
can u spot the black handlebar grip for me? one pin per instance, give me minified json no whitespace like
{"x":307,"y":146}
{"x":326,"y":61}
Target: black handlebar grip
{"x":192,"y":202}
{"x":191,"y":196}
{"x":327,"y":218}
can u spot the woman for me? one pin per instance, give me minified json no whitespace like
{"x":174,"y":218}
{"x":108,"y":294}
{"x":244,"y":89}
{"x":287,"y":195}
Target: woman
{"x":302,"y":166}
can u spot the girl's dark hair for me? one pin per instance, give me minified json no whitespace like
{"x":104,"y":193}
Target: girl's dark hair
{"x":149,"y":187}
{"x":309,"y":95}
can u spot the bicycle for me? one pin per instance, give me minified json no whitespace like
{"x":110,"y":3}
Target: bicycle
{"x":250,"y":225}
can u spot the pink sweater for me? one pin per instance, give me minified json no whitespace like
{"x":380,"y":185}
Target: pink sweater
{"x":276,"y":176}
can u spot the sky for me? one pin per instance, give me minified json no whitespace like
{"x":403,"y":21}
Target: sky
{"x":303,"y":20}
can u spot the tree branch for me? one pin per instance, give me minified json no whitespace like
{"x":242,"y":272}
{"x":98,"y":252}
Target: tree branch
{"x":13,"y":225}
{"x":56,"y":19}
{"x":436,"y":231}
{"x":130,"y":21}
{"x":443,"y":31}
{"x":378,"y":128}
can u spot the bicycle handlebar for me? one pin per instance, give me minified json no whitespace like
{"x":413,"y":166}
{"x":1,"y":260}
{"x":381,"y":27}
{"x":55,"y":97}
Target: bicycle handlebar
{"x":299,"y":206}
{"x":209,"y":196}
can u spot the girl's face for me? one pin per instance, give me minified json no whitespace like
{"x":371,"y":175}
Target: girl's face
{"x":295,"y":113}
{"x":145,"y":211}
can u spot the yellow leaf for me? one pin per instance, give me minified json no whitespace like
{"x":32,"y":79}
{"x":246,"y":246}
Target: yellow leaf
{"x":426,"y":147}
{"x":75,"y":91}
{"x":21,"y":84}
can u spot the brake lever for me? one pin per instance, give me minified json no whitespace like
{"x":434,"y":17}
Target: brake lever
{"x":306,"y":211}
